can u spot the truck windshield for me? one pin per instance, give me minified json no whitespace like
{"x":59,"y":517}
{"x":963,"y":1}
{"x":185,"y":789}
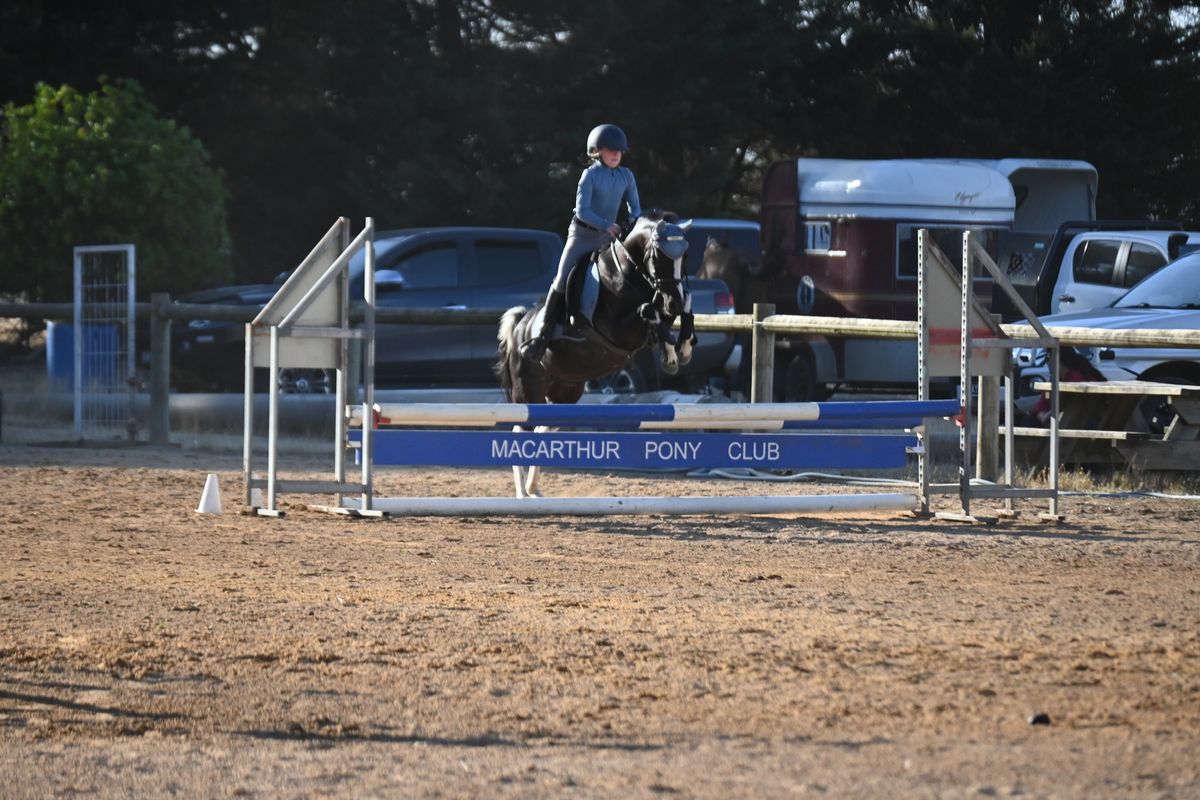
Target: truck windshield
{"x":1176,"y":285}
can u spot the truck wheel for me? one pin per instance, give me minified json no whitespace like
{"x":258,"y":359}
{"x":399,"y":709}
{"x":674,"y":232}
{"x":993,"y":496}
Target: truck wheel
{"x":633,"y":378}
{"x":796,"y":380}
{"x":307,"y":381}
{"x":1157,"y":412}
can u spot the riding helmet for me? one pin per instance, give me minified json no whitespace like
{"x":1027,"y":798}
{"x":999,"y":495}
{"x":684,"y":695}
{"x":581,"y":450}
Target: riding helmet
{"x":608,"y":136}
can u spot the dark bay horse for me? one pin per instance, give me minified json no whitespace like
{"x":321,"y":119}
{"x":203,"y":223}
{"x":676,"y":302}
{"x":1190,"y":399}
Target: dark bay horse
{"x":640,"y":295}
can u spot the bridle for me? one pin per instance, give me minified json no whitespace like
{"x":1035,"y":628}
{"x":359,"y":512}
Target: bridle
{"x":674,"y":248}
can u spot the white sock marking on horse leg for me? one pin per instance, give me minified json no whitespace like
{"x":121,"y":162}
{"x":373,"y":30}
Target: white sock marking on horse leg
{"x":531,"y":480}
{"x":519,"y":472}
{"x":669,"y":361}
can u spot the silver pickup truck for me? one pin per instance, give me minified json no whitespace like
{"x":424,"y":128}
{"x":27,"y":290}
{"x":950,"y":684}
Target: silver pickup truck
{"x":434,"y":268}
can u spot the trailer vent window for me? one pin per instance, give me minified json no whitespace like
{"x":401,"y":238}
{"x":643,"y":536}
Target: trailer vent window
{"x":948,"y":239}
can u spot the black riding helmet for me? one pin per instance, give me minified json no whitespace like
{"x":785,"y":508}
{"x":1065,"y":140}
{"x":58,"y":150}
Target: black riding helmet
{"x":607,"y":136}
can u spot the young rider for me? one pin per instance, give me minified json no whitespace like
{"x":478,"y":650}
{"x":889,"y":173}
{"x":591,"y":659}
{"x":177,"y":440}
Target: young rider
{"x":602,"y":188}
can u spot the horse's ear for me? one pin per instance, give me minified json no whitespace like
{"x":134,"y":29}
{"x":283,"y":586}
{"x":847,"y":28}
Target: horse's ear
{"x":685,"y":224}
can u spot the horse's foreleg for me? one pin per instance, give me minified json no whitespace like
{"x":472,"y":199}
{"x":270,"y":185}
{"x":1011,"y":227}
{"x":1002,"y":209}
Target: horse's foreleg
{"x":687,"y":334}
{"x":665,"y":343}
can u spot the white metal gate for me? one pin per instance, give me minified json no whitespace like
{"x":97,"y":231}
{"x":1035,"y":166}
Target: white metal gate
{"x":105,"y":361}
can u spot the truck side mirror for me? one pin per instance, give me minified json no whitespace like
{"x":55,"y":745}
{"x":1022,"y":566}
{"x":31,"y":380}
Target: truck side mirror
{"x":389,"y":279}
{"x":1175,"y":243}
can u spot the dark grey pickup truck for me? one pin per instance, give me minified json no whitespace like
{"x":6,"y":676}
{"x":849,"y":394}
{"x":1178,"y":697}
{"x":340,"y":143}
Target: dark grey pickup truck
{"x":428,"y":268}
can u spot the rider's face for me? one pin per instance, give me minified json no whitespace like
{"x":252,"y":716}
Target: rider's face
{"x":610,"y":158}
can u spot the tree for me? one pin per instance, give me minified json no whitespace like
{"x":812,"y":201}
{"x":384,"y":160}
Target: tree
{"x":105,"y":168}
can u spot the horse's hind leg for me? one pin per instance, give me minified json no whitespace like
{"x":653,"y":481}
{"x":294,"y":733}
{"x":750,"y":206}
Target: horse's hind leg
{"x":532,"y":474}
{"x":519,"y":477}
{"x":526,"y":478}
{"x":519,"y":480}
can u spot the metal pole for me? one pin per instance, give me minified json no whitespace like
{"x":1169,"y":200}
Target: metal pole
{"x":368,"y":403}
{"x":78,"y":344}
{"x":1055,"y":365}
{"x":964,"y":384}
{"x":248,"y":416}
{"x":339,"y":406}
{"x":1009,"y":386}
{"x":923,"y":457}
{"x":131,"y":339}
{"x":160,"y":369}
{"x":273,"y":420}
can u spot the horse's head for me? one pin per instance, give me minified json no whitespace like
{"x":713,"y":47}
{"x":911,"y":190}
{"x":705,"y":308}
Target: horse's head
{"x":660,"y":245}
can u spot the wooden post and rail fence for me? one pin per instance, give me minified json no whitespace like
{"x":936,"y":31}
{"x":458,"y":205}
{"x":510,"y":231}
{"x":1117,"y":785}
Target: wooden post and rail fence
{"x":764,"y":325}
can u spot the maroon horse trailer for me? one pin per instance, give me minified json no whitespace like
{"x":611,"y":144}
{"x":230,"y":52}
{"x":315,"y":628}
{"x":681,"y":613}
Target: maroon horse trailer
{"x":839,"y":239}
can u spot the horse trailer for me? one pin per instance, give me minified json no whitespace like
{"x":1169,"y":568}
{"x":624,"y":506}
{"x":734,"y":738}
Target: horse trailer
{"x":839,"y":239}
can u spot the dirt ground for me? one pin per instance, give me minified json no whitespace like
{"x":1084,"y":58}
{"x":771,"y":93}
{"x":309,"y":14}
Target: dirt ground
{"x":146,"y":650}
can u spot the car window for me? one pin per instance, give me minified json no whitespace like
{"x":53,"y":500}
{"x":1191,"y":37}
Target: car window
{"x":1173,"y":286}
{"x":503,"y":263}
{"x":434,"y":267}
{"x":1095,"y":261}
{"x":1141,"y":261}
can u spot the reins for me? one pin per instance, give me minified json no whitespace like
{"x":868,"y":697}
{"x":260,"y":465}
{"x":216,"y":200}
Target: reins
{"x":630,"y":266}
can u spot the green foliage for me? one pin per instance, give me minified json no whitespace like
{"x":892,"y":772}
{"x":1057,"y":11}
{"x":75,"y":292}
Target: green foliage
{"x":434,"y":112}
{"x":106,"y":168}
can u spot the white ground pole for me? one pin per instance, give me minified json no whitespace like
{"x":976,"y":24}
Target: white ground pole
{"x":604,"y":506}
{"x":119,"y":307}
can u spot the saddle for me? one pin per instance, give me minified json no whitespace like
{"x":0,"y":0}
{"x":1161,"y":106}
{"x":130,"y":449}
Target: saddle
{"x":584,"y":284}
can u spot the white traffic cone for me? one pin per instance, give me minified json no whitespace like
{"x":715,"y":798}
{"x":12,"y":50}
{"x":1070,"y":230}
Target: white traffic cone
{"x":210,"y":501}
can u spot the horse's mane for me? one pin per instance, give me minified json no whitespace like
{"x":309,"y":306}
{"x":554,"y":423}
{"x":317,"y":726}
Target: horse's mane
{"x":657,"y":214}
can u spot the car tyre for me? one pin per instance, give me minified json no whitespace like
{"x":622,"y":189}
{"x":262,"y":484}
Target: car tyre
{"x":307,"y":381}
{"x":1157,"y":411}
{"x":796,"y":380}
{"x":637,"y":377}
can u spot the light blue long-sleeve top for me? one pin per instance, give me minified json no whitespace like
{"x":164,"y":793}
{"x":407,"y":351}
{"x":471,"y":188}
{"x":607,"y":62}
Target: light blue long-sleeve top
{"x":600,"y":192}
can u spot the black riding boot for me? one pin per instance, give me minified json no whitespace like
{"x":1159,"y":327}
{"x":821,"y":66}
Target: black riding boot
{"x":535,"y":348}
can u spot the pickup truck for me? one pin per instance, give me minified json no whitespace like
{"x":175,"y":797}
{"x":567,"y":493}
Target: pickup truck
{"x":1088,"y":266}
{"x":1091,"y":263}
{"x":451,"y":267}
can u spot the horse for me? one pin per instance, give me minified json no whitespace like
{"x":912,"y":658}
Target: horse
{"x":745,"y":280}
{"x":746,"y":283}
{"x":639,"y":296}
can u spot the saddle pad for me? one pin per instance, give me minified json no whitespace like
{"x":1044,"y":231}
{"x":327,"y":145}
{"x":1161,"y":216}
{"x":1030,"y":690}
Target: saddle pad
{"x":584,"y":285}
{"x":589,"y":292}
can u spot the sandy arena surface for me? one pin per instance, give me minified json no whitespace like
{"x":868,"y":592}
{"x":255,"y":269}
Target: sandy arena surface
{"x":146,"y":650}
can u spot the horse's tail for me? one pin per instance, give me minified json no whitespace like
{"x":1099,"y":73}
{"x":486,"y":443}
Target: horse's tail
{"x":507,"y":337}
